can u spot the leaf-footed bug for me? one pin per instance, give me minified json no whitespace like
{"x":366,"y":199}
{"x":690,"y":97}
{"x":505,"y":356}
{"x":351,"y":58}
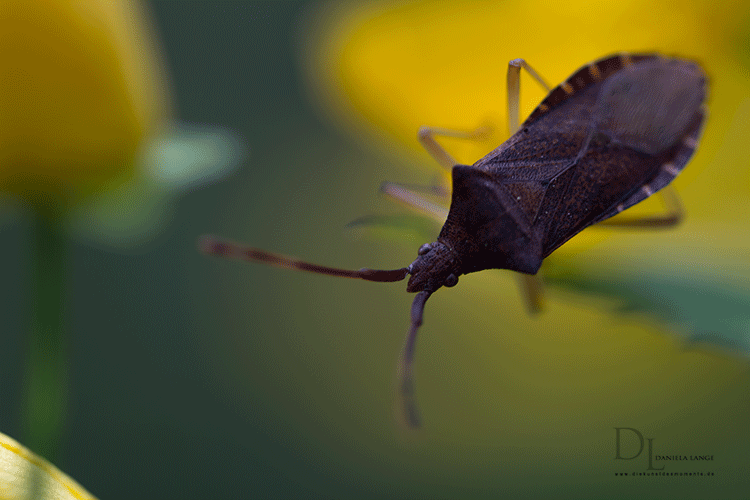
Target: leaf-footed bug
{"x":615,"y":132}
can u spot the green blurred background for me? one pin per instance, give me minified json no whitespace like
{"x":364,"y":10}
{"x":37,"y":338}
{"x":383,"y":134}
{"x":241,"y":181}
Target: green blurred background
{"x":193,"y":377}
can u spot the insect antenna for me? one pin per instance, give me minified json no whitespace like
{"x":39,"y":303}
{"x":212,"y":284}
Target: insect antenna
{"x":218,"y":247}
{"x":406,"y":381}
{"x":223,"y":248}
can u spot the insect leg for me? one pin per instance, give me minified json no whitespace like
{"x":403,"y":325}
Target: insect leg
{"x":514,"y":90}
{"x":409,"y":197}
{"x":427,"y":139}
{"x":671,"y":216}
{"x":532,"y":290}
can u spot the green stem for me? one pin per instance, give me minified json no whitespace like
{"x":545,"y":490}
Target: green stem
{"x":47,"y":364}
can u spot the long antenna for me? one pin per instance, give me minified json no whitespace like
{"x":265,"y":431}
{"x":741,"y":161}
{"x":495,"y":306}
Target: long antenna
{"x":212,"y":245}
{"x":223,"y":248}
{"x":406,"y":380}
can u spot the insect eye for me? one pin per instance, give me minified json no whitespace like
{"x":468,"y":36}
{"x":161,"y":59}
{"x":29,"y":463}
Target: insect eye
{"x":424,"y":249}
{"x":451,"y":280}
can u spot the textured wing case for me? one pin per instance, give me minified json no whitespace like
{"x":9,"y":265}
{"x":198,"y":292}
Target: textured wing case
{"x":611,"y":135}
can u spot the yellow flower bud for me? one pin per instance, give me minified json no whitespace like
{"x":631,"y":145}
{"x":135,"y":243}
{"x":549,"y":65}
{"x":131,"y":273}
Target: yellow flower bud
{"x":80,"y":87}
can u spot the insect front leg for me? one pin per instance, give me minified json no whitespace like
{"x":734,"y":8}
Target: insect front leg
{"x":672,"y":215}
{"x":427,"y":139}
{"x":414,"y":196}
{"x":514,"y":90}
{"x":411,"y":197}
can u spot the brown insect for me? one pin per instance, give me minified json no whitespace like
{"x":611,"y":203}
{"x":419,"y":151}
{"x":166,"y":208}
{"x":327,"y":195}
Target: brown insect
{"x":615,"y":132}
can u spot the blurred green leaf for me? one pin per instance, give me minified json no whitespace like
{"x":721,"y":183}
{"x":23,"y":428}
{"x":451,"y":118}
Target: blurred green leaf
{"x":190,"y":155}
{"x":703,"y":304}
{"x":182,"y":159}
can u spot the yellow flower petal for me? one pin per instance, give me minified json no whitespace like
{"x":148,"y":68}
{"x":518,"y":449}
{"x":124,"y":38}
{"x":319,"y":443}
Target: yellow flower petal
{"x":20,"y":469}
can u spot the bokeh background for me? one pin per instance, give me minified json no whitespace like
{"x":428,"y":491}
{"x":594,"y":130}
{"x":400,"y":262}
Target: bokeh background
{"x":191,"y":377}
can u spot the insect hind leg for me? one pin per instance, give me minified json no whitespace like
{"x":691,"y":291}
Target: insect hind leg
{"x":532,"y":291}
{"x":672,"y":215}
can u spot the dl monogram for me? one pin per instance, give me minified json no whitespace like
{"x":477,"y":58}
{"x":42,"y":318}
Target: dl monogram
{"x":618,"y":455}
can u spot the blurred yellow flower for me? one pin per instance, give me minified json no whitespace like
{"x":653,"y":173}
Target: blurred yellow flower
{"x":82,"y":87}
{"x":23,"y":474}
{"x":87,"y":141}
{"x":85,"y":120}
{"x":381,"y":70}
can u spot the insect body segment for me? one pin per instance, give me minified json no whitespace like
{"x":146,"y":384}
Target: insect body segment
{"x":615,"y":132}
{"x":596,"y":148}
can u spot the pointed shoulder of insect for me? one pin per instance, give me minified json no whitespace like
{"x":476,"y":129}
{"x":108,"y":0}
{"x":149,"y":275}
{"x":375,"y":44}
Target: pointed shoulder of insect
{"x":488,"y":226}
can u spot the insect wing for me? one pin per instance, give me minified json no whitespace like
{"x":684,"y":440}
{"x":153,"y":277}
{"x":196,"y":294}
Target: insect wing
{"x":615,"y":132}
